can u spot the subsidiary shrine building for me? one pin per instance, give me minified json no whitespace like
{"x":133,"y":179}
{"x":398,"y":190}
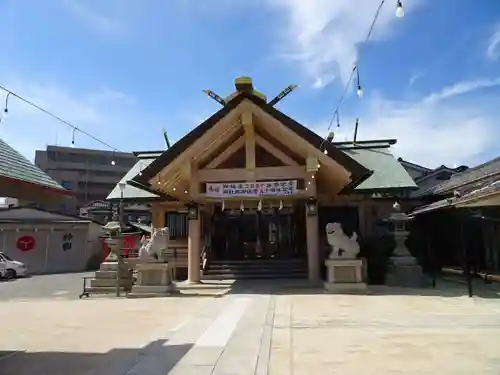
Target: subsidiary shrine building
{"x":252,"y":183}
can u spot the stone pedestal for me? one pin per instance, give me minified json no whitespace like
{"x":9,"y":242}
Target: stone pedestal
{"x":403,"y":269}
{"x":153,"y":280}
{"x":344,"y":276}
{"x":105,"y":279}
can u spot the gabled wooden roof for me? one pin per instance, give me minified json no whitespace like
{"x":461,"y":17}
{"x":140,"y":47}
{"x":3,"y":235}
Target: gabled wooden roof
{"x":358,"y":171}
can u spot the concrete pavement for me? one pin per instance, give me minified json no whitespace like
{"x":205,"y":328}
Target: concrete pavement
{"x":67,"y":286}
{"x":257,"y":328}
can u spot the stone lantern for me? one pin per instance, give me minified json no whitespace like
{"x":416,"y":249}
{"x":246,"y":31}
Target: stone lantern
{"x":403,"y":269}
{"x":113,"y":240}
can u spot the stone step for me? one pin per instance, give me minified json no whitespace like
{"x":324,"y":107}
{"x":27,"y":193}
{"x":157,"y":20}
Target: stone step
{"x":105,"y":274}
{"x":263,"y":264}
{"x":102,"y":290}
{"x":113,"y":266}
{"x":230,"y":276}
{"x":254,"y":271}
{"x":259,"y":262}
{"x":108,"y":266}
{"x":144,"y":291}
{"x":126,"y":283}
{"x":99,"y":274}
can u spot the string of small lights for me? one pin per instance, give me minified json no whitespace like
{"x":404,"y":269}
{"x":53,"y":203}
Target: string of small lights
{"x":335,"y":118}
{"x":75,"y":128}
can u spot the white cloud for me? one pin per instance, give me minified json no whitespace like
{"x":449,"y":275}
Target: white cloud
{"x":429,"y":132}
{"x":93,"y":18}
{"x":324,"y":35}
{"x":461,"y":88}
{"x":493,"y":50}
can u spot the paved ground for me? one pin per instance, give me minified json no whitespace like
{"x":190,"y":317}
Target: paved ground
{"x":255,"y":328}
{"x":65,"y":286}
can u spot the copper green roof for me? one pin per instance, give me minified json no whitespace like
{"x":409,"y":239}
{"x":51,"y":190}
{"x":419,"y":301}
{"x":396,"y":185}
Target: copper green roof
{"x":131,"y":192}
{"x":15,"y":166}
{"x":388,"y":173}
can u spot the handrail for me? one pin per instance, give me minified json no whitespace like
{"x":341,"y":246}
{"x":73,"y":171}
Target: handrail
{"x":486,"y":276}
{"x":206,"y":256}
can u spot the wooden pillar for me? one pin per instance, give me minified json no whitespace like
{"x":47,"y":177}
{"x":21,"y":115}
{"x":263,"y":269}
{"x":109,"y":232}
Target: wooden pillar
{"x":312,"y":241}
{"x":312,"y":225}
{"x":194,"y":250}
{"x":158,"y":215}
{"x":194,"y":234}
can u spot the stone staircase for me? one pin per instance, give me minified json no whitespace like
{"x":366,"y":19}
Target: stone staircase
{"x":257,"y":269}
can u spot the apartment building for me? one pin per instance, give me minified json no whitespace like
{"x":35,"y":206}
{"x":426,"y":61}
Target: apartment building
{"x":89,"y":174}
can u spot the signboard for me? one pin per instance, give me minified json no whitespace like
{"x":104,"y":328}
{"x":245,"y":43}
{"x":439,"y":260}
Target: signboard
{"x":67,"y":242}
{"x":25,"y":243}
{"x":251,"y":189}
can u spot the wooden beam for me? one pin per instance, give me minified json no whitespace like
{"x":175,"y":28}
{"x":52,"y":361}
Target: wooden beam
{"x":247,"y":122}
{"x":223,"y":139}
{"x":264,"y":173}
{"x":194,"y":183}
{"x":166,"y":185}
{"x":337,"y":175}
{"x":310,"y":184}
{"x":224,"y":155}
{"x":312,"y":164}
{"x":229,"y":123}
{"x":280,"y":155}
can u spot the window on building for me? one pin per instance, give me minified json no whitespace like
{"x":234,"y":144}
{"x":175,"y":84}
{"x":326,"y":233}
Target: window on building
{"x":51,"y":155}
{"x":67,"y":184}
{"x":177,"y":224}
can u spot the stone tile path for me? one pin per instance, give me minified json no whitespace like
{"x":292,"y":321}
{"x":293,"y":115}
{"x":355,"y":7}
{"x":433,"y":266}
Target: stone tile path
{"x":259,"y":331}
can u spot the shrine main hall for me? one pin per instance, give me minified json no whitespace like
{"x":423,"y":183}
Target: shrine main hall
{"x":252,"y":184}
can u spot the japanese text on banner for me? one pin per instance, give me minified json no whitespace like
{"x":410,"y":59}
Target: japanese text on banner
{"x":252,"y":189}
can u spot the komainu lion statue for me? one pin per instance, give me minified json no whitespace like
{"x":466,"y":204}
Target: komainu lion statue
{"x":152,"y":250}
{"x":342,"y":246}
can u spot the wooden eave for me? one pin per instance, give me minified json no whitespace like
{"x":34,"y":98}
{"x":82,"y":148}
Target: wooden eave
{"x":179,"y":152}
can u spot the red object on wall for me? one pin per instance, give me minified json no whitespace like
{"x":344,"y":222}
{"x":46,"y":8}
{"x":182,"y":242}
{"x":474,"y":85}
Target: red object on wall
{"x":25,"y":243}
{"x":130,"y":242}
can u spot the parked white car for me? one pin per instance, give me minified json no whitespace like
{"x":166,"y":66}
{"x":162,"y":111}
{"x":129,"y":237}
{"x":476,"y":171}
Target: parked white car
{"x":13,"y":268}
{"x":3,"y":269}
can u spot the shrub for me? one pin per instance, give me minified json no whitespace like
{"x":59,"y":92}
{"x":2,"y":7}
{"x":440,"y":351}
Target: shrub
{"x":376,"y":250}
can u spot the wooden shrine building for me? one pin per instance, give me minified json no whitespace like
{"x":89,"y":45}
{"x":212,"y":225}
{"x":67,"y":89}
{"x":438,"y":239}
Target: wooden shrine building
{"x":252,"y":183}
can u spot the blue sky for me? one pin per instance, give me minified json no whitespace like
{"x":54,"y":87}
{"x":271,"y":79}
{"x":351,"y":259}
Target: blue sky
{"x":122,"y":70}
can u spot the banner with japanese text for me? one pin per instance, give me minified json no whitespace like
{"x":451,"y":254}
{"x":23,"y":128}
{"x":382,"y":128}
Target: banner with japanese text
{"x":251,"y":189}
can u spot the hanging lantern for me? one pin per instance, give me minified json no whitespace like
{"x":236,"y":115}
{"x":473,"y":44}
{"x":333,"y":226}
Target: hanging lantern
{"x":312,"y":206}
{"x":242,"y":207}
{"x":259,"y":206}
{"x":192,"y":211}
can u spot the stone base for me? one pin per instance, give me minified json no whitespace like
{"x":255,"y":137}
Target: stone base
{"x":153,"y":280}
{"x":345,"y":287}
{"x":104,"y":280}
{"x":410,"y":276}
{"x":145,"y":291}
{"x":344,"y":276}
